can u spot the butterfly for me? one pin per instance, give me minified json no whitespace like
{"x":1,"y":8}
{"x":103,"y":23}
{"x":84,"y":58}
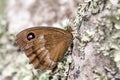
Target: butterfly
{"x":44,"y":46}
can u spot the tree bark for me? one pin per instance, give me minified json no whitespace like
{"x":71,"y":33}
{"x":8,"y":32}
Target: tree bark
{"x":95,"y":45}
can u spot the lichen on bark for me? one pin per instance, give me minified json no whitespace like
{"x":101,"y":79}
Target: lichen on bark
{"x":96,"y":47}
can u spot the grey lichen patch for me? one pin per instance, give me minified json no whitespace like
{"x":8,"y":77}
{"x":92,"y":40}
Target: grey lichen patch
{"x":96,"y":6}
{"x":88,"y":35}
{"x":85,"y":11}
{"x":98,"y":23}
{"x":45,"y":75}
{"x":110,"y":42}
{"x":63,"y":68}
{"x":106,"y":34}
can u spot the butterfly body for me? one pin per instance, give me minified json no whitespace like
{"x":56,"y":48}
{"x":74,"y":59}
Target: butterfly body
{"x":44,"y":46}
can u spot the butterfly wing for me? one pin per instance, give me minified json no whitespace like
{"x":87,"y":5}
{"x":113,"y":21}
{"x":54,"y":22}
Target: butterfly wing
{"x":47,"y":46}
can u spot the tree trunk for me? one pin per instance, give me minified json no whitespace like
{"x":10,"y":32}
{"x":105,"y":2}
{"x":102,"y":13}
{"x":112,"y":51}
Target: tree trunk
{"x":96,"y":53}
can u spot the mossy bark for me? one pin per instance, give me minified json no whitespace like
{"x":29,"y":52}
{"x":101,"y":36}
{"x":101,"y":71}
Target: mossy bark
{"x":96,"y":47}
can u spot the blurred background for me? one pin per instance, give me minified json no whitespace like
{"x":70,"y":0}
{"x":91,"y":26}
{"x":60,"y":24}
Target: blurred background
{"x":16,"y":15}
{"x":96,"y":51}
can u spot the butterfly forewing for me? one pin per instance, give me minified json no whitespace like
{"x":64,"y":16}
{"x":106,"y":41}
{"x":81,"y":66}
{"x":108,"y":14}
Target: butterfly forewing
{"x":44,"y":46}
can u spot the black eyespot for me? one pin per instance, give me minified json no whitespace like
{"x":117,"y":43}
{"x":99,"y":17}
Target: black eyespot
{"x":30,"y":36}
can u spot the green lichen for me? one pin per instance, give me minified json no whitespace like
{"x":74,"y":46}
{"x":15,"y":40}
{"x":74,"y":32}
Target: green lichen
{"x":110,"y":44}
{"x":106,"y":34}
{"x":98,"y":22}
{"x":63,"y":68}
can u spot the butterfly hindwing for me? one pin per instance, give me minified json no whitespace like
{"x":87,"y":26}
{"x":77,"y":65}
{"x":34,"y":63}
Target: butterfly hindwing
{"x":44,"y":46}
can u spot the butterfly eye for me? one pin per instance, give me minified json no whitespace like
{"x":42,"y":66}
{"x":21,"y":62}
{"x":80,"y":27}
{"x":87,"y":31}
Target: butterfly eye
{"x":30,"y":36}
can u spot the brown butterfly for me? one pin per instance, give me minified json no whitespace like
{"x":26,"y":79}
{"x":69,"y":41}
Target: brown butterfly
{"x":44,"y":46}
